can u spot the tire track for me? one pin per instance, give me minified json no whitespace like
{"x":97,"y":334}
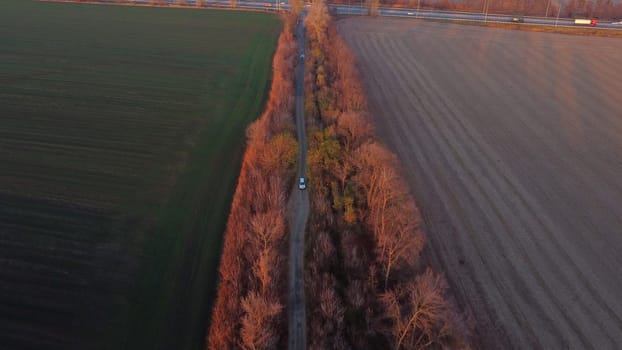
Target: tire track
{"x":430,"y":94}
{"x":611,"y":204}
{"x":485,"y":194}
{"x":527,"y":220}
{"x":585,"y":173}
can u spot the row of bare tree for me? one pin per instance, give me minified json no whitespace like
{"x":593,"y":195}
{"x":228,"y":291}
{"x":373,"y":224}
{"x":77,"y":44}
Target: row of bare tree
{"x":249,"y":312}
{"x":365,"y":286}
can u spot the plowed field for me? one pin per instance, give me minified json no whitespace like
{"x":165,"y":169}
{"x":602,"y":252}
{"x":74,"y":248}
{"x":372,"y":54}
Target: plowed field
{"x":512,"y":142}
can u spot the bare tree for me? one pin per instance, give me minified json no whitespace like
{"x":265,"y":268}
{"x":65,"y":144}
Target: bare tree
{"x":268,"y":270}
{"x":258,"y":331}
{"x":390,"y":211}
{"x":395,"y":221}
{"x":419,"y":316}
{"x":354,"y":129}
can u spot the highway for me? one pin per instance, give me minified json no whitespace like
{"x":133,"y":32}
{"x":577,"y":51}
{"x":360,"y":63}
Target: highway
{"x":463,"y":16}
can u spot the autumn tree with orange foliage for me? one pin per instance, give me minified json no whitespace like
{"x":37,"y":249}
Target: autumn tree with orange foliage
{"x":365,"y":287}
{"x":260,"y":323}
{"x":249,"y":312}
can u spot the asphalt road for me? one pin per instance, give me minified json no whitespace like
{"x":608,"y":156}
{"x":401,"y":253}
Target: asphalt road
{"x":462,"y":16}
{"x":511,"y":143}
{"x":299,"y":216}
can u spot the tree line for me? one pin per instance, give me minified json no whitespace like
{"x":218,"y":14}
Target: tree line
{"x":365,"y":285}
{"x":249,"y":312}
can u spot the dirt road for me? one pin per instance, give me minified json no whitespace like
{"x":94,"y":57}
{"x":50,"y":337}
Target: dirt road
{"x":512,"y":142}
{"x":300,"y":214}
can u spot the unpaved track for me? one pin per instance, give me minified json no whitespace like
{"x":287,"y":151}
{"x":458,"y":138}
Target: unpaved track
{"x":512,"y":143}
{"x":299,"y":204}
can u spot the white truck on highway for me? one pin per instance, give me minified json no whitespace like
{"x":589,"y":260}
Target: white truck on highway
{"x":585,"y":22}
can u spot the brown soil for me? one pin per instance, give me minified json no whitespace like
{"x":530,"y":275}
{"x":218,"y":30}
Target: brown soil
{"x":512,"y":144}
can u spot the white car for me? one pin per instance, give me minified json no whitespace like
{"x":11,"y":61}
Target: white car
{"x":410,"y":13}
{"x":617,"y":23}
{"x":302,"y":184}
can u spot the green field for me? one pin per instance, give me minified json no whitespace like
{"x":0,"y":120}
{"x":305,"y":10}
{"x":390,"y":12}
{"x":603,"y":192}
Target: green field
{"x":121,"y":135}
